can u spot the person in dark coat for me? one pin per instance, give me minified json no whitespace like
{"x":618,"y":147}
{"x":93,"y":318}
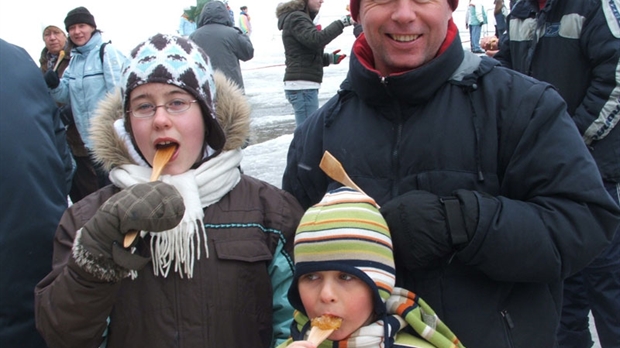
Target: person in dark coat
{"x":586,"y":34}
{"x":490,"y":193}
{"x":35,"y":176}
{"x":224,"y":43}
{"x":303,"y":49}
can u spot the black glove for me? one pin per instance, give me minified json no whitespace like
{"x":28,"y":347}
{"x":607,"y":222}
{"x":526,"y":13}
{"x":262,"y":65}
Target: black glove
{"x":66,"y":115}
{"x":51,"y":78}
{"x":153,"y":207}
{"x":426,"y":228}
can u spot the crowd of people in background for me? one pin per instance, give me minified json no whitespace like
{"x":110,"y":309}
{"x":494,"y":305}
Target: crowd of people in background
{"x":487,"y":212}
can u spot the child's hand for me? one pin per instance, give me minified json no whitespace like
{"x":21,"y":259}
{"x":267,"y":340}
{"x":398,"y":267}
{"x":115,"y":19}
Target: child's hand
{"x":301,"y":344}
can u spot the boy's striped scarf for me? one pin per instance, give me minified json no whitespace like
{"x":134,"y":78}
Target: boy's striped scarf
{"x":404,"y":309}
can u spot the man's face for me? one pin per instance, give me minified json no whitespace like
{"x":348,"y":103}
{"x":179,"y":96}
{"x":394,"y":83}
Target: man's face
{"x":314,"y":5}
{"x":404,"y":34}
{"x":54,"y":39}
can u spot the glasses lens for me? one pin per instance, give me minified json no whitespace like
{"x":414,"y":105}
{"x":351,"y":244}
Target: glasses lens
{"x":177,"y":105}
{"x":144,"y":110}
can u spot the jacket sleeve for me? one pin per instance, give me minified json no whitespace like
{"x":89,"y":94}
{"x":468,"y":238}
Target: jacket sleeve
{"x":307,"y":185}
{"x":61,"y":92}
{"x":553,"y":215}
{"x":71,"y":310}
{"x":244,"y":50}
{"x":598,"y":113}
{"x":308,"y":35}
{"x":282,"y":267}
{"x":113,"y":63}
{"x":503,"y":55}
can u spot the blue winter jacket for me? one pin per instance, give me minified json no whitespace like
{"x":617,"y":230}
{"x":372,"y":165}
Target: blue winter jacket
{"x":575,"y":46}
{"x":87,"y":80}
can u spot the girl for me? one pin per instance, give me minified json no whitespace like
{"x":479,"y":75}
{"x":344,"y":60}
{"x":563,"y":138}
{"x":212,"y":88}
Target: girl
{"x":217,"y":273}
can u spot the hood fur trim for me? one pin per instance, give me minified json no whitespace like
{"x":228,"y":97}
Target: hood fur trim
{"x":231,"y":107}
{"x":290,"y":6}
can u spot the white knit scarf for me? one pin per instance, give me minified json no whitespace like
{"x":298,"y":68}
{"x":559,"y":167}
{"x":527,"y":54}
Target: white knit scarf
{"x":179,"y":247}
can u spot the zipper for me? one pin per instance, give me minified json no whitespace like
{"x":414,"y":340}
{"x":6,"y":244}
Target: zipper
{"x":508,"y":326}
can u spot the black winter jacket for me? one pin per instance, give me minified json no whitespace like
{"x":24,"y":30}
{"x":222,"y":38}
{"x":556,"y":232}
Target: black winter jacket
{"x":579,"y":53}
{"x":303,"y":42}
{"x":463,"y":122}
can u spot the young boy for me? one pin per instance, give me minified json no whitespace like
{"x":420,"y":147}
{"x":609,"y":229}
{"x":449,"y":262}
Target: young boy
{"x":213,"y":261}
{"x":344,"y":267}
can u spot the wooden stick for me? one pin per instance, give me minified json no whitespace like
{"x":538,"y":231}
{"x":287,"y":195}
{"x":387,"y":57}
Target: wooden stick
{"x":162,"y":156}
{"x":61,"y":56}
{"x":333,"y":168}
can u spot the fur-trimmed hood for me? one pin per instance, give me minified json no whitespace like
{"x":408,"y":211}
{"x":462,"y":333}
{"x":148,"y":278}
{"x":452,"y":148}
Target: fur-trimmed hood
{"x":231,"y":107}
{"x":285,"y":8}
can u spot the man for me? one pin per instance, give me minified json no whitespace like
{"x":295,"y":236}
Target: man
{"x":244,"y":21}
{"x":224,"y":44}
{"x":490,"y":194}
{"x":35,"y":176}
{"x":586,"y":35}
{"x":303,"y":49}
{"x":474,"y":20}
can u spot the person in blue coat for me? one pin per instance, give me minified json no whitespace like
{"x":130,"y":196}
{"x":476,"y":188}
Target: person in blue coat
{"x":92,"y":73}
{"x":586,"y":34}
{"x":35,"y":177}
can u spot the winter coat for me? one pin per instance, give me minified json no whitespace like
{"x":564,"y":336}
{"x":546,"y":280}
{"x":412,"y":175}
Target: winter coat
{"x":475,"y":14}
{"x":303,"y":42}
{"x":244,"y":23}
{"x":63,"y":65}
{"x":224,"y":44}
{"x":35,"y":176}
{"x":586,"y":34}
{"x":87,"y":80}
{"x":73,"y":136}
{"x":462,"y":122}
{"x":244,"y":279}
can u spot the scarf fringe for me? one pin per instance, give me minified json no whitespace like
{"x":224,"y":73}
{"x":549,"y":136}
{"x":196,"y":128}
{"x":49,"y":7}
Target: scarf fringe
{"x":178,"y":249}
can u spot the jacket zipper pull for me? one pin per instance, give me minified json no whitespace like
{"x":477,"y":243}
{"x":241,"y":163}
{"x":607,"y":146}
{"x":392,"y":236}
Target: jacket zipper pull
{"x":508,"y":319}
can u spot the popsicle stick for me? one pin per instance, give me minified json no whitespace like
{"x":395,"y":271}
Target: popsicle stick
{"x":61,"y":56}
{"x":162,"y":156}
{"x":333,"y":168}
{"x":317,"y":335}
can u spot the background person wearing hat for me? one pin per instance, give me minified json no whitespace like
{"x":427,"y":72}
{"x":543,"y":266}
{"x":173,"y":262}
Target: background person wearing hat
{"x":83,"y":181}
{"x":303,"y":51}
{"x":84,"y":83}
{"x":217,"y":273}
{"x":490,"y":194}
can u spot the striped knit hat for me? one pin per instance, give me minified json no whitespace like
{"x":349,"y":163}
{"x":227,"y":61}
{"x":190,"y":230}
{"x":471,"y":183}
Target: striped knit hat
{"x":345,"y":232}
{"x":175,"y":61}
